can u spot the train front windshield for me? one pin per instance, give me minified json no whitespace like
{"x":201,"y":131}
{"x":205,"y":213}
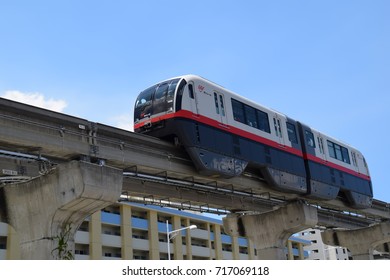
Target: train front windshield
{"x":156,"y":99}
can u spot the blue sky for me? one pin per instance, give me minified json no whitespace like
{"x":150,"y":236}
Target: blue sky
{"x":325,"y":63}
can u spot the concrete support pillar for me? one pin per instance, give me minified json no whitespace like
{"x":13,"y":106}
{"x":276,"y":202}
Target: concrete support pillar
{"x":209,"y":242}
{"x":95,"y":236}
{"x":301,"y":251}
{"x":126,"y":232}
{"x":154,"y":250}
{"x":51,"y":207}
{"x":188,"y":240}
{"x":218,"y":242}
{"x":235,"y":248}
{"x":177,"y":241}
{"x":360,"y":242}
{"x":270,"y":231}
{"x":251,"y":250}
{"x":290,"y":253}
{"x":13,"y":241}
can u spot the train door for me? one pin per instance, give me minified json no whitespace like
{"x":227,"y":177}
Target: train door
{"x":355,"y":161}
{"x":278,"y":129}
{"x":193,"y":98}
{"x":220,"y":109}
{"x":320,"y":141}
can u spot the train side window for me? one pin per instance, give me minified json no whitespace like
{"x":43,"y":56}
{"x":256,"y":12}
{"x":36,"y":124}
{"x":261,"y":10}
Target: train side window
{"x":263,"y":121}
{"x":292,"y":133}
{"x":338,"y":152}
{"x":276,"y":128}
{"x":191,"y":91}
{"x":345,"y":153}
{"x":332,"y":152}
{"x":339,"y":155}
{"x":216,"y":103}
{"x":179,"y":94}
{"x":238,"y":111}
{"x":250,"y":114}
{"x":320,"y":144}
{"x":365,"y":163}
{"x":161,"y":91}
{"x":222,"y":105}
{"x":145,"y":97}
{"x":172,"y":87}
{"x":280,"y":128}
{"x":354,"y":159}
{"x":310,"y":139}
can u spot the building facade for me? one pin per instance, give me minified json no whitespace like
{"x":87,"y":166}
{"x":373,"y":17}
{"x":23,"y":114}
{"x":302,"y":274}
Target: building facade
{"x":135,"y":231}
{"x":318,"y":250}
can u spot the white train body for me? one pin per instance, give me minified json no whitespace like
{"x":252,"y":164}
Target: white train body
{"x":225,"y":133}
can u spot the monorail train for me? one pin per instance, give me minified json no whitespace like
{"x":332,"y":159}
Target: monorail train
{"x":225,"y":133}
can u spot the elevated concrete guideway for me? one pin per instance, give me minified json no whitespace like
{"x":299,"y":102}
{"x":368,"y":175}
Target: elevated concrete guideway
{"x":147,"y":167}
{"x":62,"y":138}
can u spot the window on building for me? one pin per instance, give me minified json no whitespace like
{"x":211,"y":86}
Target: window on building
{"x":3,"y":243}
{"x":140,"y":234}
{"x":111,"y":230}
{"x":112,"y":209}
{"x":243,"y":250}
{"x":140,"y":255}
{"x":81,"y":249}
{"x":227,"y":247}
{"x":139,"y":214}
{"x":84,"y":226}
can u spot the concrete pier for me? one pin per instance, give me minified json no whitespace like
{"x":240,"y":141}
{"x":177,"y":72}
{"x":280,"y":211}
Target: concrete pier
{"x":270,"y":231}
{"x":50,"y":208}
{"x":360,"y":242}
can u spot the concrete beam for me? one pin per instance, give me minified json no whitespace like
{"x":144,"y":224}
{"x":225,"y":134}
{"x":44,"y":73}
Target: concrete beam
{"x":360,"y":242}
{"x":270,"y":231}
{"x":51,"y":207}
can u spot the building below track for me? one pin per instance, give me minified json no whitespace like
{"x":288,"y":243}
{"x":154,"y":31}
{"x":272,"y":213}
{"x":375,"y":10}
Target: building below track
{"x":136,"y":231}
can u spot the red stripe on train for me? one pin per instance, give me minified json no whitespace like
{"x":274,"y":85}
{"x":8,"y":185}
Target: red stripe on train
{"x":199,"y":118}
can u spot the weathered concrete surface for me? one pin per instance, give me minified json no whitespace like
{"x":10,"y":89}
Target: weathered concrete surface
{"x":41,"y":210}
{"x":360,"y":242}
{"x":270,"y":231}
